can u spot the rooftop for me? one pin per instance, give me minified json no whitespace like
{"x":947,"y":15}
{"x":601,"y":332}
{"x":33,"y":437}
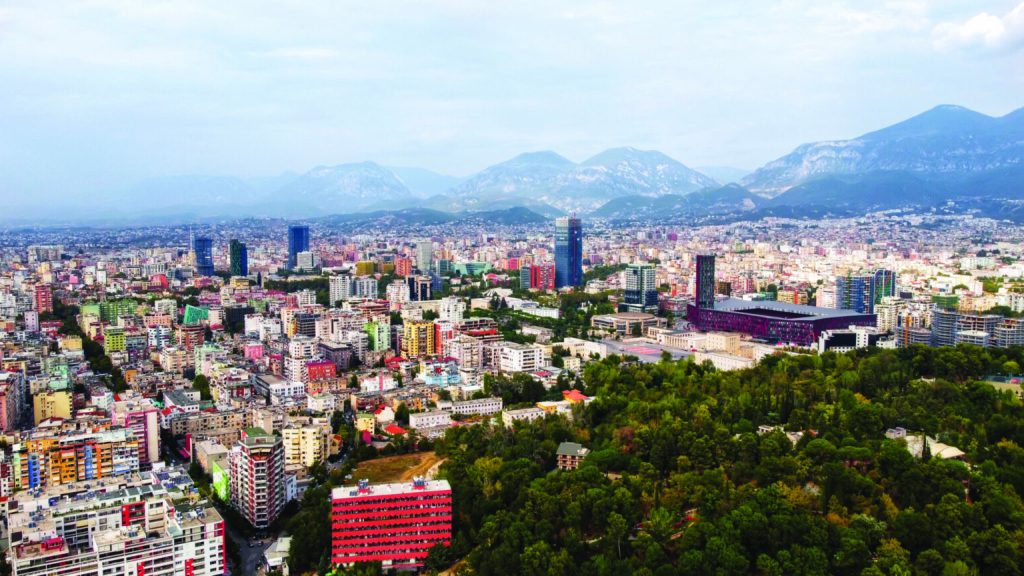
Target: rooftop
{"x":571,"y":449}
{"x":783,"y":310}
{"x":389,"y":489}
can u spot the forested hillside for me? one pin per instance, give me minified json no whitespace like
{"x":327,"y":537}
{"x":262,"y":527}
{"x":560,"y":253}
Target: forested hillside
{"x":680,"y":482}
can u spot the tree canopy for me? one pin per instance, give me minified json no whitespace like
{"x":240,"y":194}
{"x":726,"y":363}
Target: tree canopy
{"x":680,"y":480}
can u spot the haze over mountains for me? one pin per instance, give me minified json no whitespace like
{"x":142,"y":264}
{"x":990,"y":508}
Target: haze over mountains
{"x":947,"y":156}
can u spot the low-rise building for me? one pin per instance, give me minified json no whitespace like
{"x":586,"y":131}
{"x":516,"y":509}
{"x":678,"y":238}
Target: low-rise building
{"x":510,"y":417}
{"x":570,"y":455}
{"x":481,"y":406}
{"x":432,"y":419}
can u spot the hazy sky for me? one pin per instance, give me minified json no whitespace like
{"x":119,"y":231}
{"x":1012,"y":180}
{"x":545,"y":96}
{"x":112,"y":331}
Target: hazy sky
{"x":97,"y":94}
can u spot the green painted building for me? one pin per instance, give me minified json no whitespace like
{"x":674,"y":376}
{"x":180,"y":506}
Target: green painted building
{"x":111,"y":310}
{"x":195,"y":314}
{"x":380,"y":335}
{"x":221,"y":480}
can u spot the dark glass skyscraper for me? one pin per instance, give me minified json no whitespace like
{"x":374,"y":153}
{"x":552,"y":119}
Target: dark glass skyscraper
{"x":239,"y":253}
{"x":705,"y":292}
{"x":568,"y":252}
{"x":641,"y":294}
{"x":885,"y":284}
{"x":298,"y":241}
{"x":202,"y":247}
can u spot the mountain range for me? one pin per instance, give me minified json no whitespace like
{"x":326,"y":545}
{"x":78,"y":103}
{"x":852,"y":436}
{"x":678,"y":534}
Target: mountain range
{"x":949,"y":156}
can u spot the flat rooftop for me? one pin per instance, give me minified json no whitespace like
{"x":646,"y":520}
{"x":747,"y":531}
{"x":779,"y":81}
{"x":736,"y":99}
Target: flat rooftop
{"x":781,"y":310}
{"x":388,"y":489}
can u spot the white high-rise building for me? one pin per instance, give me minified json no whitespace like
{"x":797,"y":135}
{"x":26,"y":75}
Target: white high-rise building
{"x":340,"y":288}
{"x":306,"y":297}
{"x":515,"y":357}
{"x":397,"y":294}
{"x":888,"y":311}
{"x":365,"y":287}
{"x":451,"y":309}
{"x":424,"y":255}
{"x":826,"y":297}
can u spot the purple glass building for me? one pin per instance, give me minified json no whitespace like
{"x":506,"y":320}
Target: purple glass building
{"x":774,"y":321}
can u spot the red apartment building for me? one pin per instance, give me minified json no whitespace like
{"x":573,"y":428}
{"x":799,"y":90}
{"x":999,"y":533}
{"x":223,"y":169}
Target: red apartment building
{"x":395,"y":524}
{"x":403,"y":266}
{"x":542,"y":276}
{"x":321,"y":370}
{"x":44,"y":298}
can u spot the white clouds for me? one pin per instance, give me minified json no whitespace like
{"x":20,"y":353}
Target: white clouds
{"x":458,"y":84}
{"x":984,"y":31}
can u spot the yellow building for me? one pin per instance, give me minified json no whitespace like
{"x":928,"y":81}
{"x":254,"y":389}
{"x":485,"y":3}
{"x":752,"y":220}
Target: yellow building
{"x":364,"y":268}
{"x":365,"y":422}
{"x":304,"y":446}
{"x":418,"y":339}
{"x":71,"y":343}
{"x":173,"y":360}
{"x":114,"y":340}
{"x":52,"y":404}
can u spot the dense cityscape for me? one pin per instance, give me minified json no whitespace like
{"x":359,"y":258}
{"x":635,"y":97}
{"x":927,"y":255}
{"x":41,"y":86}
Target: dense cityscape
{"x":199,"y":407}
{"x":532,"y":288}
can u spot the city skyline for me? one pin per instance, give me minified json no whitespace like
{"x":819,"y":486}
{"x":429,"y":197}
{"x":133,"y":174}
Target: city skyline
{"x":730,"y":287}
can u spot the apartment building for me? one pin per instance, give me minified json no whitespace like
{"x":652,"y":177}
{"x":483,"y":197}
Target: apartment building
{"x":394,"y":524}
{"x":48,"y":458}
{"x":133,"y":525}
{"x":514,"y":357}
{"x":257,"y":477}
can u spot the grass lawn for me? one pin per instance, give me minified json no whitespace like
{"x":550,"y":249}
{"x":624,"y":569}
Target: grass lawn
{"x":400,"y":468}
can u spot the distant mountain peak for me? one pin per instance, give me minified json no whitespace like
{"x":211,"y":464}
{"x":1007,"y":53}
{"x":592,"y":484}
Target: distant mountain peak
{"x":541,"y":157}
{"x":625,"y":154}
{"x":945,"y":141}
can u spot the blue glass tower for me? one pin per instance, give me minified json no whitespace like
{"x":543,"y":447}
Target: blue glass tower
{"x":855,"y":292}
{"x":203,"y":249}
{"x":298,"y":241}
{"x":568,"y":252}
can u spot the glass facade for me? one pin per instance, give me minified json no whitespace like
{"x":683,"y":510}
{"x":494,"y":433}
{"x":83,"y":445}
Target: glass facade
{"x":239,"y":258}
{"x":203,"y":249}
{"x":568,"y":252}
{"x":774,"y":327}
{"x":641,"y":292}
{"x":298,"y":241}
{"x":885,"y":284}
{"x":705,"y":290}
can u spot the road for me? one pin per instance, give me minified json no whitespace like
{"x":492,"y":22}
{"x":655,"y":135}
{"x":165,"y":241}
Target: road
{"x":250,"y":557}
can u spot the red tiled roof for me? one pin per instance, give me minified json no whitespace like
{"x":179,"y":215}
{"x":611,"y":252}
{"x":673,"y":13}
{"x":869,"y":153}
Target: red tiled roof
{"x":574,"y":395}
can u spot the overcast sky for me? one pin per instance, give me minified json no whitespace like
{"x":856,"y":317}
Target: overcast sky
{"x":98,"y":94}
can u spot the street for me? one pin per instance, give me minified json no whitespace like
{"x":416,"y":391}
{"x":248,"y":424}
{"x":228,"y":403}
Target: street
{"x":249,"y":557}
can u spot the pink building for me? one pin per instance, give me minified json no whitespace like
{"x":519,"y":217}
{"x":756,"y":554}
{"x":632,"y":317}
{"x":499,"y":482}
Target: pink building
{"x":141,"y":417}
{"x":254,"y":351}
{"x":10,"y":395}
